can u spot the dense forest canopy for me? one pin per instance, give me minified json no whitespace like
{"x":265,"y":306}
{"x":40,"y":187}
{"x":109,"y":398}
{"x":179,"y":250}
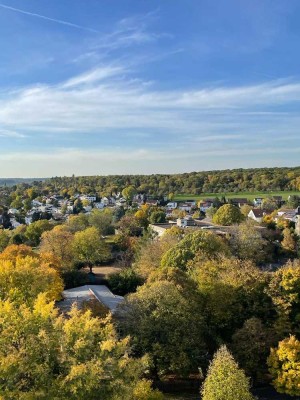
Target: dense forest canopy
{"x":237,"y":180}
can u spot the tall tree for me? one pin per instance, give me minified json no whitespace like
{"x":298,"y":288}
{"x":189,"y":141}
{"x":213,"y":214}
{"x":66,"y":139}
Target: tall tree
{"x":225,"y":380}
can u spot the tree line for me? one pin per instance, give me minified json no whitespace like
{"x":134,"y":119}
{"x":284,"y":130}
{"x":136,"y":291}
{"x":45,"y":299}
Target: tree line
{"x":237,"y":180}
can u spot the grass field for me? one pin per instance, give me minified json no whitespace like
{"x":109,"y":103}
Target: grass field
{"x":248,"y":195}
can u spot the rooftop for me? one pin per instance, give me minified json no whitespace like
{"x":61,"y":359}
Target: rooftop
{"x":87,"y":292}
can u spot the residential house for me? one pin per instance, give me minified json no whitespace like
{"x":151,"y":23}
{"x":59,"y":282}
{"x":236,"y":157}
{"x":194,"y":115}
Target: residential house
{"x":256,"y":214}
{"x":258,"y":201}
{"x":171,"y":205}
{"x":152,"y":202}
{"x":187,"y":206}
{"x":186,"y":222}
{"x":288,"y":214}
{"x":205,"y":205}
{"x":88,"y":197}
{"x":99,"y":205}
{"x":239,"y":201}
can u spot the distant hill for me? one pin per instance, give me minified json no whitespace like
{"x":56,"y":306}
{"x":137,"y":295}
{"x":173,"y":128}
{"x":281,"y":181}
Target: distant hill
{"x":15,"y":181}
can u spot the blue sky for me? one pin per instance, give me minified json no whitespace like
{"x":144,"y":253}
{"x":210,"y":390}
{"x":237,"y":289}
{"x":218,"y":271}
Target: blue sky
{"x":135,"y":86}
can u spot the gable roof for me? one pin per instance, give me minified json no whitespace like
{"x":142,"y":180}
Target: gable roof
{"x":258,"y":212}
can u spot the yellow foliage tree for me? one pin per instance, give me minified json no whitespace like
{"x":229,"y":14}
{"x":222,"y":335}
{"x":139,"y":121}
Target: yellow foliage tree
{"x":25,"y":277}
{"x":44,"y":356}
{"x":284,"y":366}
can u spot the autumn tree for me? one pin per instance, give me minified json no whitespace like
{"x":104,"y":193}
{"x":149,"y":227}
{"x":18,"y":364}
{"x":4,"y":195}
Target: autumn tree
{"x":225,"y":380}
{"x":289,"y":243}
{"x":78,"y":357}
{"x":284,"y":290}
{"x":246,"y":242}
{"x":269,"y":204}
{"x":150,"y":254}
{"x":23,"y":278}
{"x":228,"y":214}
{"x":245,"y":209}
{"x":58,"y":242}
{"x":284,"y":366}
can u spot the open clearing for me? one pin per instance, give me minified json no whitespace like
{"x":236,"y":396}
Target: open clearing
{"x":248,"y":195}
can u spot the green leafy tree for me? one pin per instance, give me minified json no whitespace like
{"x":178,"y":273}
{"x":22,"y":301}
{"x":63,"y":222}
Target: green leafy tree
{"x":163,"y":321}
{"x":129,"y":192}
{"x":102,"y":220}
{"x":78,"y":206}
{"x":293,"y":201}
{"x":35,"y":230}
{"x":234,"y":291}
{"x":284,"y":366}
{"x":124,"y":282}
{"x":251,"y":347}
{"x":157,"y":217}
{"x":225,"y":380}
{"x":4,"y":239}
{"x":228,"y":214}
{"x":77,"y":223}
{"x":89,"y":248}
{"x":27,"y":204}
{"x":17,"y":202}
{"x":200,"y":243}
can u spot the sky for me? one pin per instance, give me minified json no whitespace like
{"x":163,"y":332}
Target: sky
{"x":103,"y":87}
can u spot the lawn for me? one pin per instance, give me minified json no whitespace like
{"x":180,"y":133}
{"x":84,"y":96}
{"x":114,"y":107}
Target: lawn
{"x":248,"y":195}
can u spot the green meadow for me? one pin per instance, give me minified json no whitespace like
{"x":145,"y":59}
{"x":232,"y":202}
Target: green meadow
{"x":248,"y":195}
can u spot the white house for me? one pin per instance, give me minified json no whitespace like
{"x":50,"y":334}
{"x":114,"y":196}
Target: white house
{"x":256,"y":214}
{"x":90,"y":198}
{"x":13,"y":211}
{"x":258,"y":201}
{"x":171,"y":205}
{"x":99,"y":206}
{"x":185,"y":222}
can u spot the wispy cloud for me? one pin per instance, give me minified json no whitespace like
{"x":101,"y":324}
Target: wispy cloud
{"x":11,"y":134}
{"x":58,"y":21}
{"x":106,"y":98}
